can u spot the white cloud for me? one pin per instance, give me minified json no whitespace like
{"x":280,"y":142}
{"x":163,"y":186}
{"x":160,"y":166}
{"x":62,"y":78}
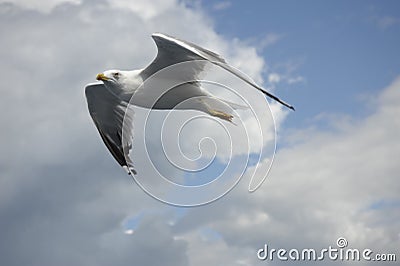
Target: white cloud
{"x":42,"y":6}
{"x":145,"y":9}
{"x":274,"y":78}
{"x":56,"y":173}
{"x":296,"y":79}
{"x":129,"y":231}
{"x":268,"y":40}
{"x":331,"y":184}
{"x":387,"y":21}
{"x":222,"y":5}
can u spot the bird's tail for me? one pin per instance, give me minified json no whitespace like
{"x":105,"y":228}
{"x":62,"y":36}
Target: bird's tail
{"x":220,"y":108}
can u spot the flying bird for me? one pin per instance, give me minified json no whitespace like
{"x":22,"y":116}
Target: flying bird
{"x":109,"y":98}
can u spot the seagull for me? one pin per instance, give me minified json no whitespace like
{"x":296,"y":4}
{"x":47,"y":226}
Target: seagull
{"x":110,"y":97}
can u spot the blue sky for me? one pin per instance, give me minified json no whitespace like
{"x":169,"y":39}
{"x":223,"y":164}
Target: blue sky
{"x":345,"y":50}
{"x":65,"y":201}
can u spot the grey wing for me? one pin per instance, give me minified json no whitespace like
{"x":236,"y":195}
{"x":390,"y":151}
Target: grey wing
{"x":107,"y":112}
{"x":172,"y":51}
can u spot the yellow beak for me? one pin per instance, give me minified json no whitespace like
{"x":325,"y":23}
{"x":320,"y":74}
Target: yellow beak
{"x":101,"y":76}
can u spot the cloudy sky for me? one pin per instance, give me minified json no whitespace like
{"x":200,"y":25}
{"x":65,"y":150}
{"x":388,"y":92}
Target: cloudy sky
{"x":64,"y":201}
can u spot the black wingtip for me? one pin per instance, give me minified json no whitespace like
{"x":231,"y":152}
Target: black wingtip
{"x":132,"y":171}
{"x":276,"y":99}
{"x":287,"y":105}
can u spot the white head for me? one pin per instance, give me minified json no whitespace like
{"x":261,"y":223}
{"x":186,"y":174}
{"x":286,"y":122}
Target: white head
{"x":114,"y":77}
{"x":125,"y":80}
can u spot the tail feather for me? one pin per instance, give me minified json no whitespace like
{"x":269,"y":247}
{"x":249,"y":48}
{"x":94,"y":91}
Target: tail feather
{"x":235,"y":106}
{"x":220,"y":108}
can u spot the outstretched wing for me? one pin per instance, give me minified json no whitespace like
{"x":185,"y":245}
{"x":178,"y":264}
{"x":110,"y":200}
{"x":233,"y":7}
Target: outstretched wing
{"x":107,"y":112}
{"x":172,"y":51}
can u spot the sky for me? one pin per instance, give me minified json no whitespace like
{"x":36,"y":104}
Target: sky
{"x":337,"y":43}
{"x":65,"y":201}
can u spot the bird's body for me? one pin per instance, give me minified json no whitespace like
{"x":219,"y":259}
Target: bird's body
{"x":109,"y":98}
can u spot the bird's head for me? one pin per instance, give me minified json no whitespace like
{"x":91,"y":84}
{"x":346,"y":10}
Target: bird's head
{"x":115,"y":77}
{"x":120,"y":79}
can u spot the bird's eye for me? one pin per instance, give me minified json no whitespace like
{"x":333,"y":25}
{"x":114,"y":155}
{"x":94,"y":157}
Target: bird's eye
{"x":116,"y":75}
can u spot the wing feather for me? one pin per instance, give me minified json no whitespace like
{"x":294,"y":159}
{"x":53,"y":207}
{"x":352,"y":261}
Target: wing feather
{"x":108,"y":112}
{"x":172,"y":50}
